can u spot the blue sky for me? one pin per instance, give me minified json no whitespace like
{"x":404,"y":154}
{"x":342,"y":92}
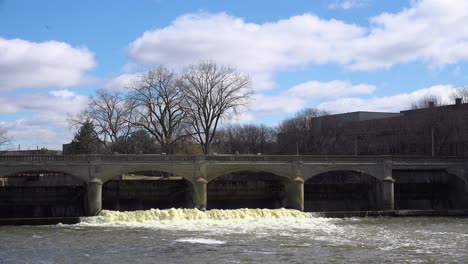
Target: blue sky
{"x":337,"y":55}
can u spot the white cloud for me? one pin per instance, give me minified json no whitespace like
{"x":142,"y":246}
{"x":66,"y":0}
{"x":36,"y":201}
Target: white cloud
{"x":121,"y":82}
{"x":44,"y":122}
{"x":25,"y":64}
{"x":276,"y":104}
{"x":58,"y":101}
{"x":391,"y":103}
{"x":257,"y":49}
{"x":337,"y":88}
{"x":429,"y":31}
{"x":40,"y":131}
{"x":347,"y":4}
{"x":301,"y":95}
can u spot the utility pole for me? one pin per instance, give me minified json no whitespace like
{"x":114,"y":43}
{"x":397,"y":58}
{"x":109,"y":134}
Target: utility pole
{"x":432,"y":141}
{"x":355,"y":146}
{"x":297,"y":146}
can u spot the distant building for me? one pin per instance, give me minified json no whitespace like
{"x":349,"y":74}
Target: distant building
{"x":440,"y":131}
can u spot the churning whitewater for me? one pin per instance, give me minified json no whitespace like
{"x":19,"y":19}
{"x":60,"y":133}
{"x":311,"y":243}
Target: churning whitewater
{"x":237,"y":236}
{"x":212,"y":221}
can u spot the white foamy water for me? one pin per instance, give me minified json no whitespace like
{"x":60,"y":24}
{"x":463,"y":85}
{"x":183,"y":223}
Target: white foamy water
{"x":238,"y":236}
{"x":259,"y":221}
{"x":201,"y":241}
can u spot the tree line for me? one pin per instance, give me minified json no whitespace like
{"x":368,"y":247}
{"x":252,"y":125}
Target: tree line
{"x":163,"y":111}
{"x":180,"y":113}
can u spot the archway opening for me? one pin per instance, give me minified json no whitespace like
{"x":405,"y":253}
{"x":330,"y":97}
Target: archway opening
{"x":41,"y":194}
{"x":143,"y":190}
{"x":342,"y":190}
{"x":428,"y":190}
{"x":247,"y":190}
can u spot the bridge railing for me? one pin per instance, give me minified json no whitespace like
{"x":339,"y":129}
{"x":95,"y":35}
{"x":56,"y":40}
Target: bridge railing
{"x":423,"y":159}
{"x":95,"y":158}
{"x":43,"y":158}
{"x":220,"y":158}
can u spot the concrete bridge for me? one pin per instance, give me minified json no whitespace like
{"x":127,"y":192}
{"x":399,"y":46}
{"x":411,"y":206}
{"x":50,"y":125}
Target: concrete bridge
{"x":94,"y":170}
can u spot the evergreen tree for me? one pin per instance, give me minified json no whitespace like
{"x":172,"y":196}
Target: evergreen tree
{"x":85,"y":140}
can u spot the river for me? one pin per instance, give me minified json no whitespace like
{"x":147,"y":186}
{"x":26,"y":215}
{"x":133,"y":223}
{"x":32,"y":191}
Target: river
{"x":237,"y":236}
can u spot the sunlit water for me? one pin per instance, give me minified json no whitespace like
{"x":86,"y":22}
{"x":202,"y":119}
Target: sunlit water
{"x":237,"y":236}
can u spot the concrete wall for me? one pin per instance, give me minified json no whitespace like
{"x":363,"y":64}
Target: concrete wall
{"x":248,"y":190}
{"x":37,"y":201}
{"x":341,"y":191}
{"x":428,"y":190}
{"x":129,"y":195}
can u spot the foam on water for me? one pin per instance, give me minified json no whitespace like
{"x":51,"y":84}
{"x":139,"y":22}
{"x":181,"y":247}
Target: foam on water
{"x":260,"y":221}
{"x":107,"y":216}
{"x":201,"y":241}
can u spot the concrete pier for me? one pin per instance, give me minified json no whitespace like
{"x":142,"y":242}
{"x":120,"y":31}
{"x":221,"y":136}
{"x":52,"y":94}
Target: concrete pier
{"x":388,"y":196}
{"x":295,"y":194}
{"x":93,"y":197}
{"x":199,"y":194}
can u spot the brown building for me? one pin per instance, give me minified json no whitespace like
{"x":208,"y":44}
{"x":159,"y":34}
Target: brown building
{"x":439,"y":131}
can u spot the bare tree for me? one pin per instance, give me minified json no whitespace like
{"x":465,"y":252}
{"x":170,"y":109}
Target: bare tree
{"x":112,"y":116}
{"x":249,"y":139}
{"x":425,"y":102}
{"x":212,"y":92}
{"x":5,"y":140}
{"x":310,"y":131}
{"x":462,"y":93}
{"x":159,"y":105}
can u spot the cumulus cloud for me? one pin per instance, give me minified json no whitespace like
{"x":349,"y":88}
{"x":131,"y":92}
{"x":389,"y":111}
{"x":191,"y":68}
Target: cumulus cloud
{"x":337,"y":88}
{"x":58,"y":101}
{"x":347,"y":4}
{"x":121,"y":82}
{"x":39,"y":131}
{"x":257,"y":49}
{"x":44,"y":117}
{"x":428,"y":31}
{"x":25,"y":64}
{"x":391,"y":103}
{"x":301,"y":95}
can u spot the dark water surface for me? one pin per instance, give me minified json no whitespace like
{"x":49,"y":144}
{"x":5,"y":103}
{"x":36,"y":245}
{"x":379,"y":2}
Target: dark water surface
{"x":238,"y":236}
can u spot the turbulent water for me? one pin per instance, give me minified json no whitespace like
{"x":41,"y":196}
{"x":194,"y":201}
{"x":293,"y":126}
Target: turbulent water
{"x":237,"y":236}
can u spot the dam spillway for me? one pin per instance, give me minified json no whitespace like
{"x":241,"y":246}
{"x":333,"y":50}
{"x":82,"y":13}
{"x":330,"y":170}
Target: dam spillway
{"x":67,"y":186}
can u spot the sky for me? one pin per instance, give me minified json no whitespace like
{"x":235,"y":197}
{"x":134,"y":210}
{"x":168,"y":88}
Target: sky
{"x":335,"y":55}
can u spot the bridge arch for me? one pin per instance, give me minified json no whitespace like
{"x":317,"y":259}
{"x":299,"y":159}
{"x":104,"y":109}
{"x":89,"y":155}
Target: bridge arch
{"x":247,"y":188}
{"x":342,"y":190}
{"x":373,"y":172}
{"x":430,"y":189}
{"x":145,"y":187}
{"x":41,"y":192}
{"x":72,"y":172}
{"x":214,"y":171}
{"x":109,"y":172}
